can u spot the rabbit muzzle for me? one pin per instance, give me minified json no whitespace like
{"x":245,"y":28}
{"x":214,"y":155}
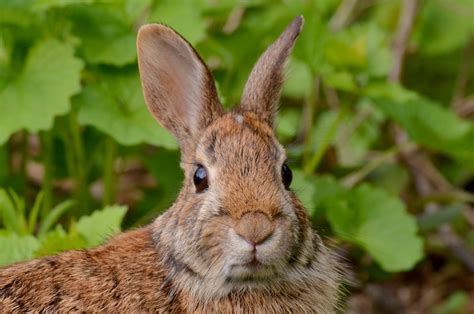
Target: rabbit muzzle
{"x":257,"y":250}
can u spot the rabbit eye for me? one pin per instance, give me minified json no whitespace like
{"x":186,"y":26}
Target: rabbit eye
{"x":286,"y":175}
{"x":200,"y":179}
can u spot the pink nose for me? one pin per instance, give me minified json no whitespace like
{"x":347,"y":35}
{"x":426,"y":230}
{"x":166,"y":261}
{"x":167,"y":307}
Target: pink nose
{"x":254,"y":227}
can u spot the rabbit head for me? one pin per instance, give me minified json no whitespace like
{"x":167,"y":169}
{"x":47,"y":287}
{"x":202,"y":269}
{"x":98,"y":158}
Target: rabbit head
{"x":236,"y":224}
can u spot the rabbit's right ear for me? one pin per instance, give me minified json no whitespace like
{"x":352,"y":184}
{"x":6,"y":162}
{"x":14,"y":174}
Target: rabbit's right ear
{"x":178,"y":87}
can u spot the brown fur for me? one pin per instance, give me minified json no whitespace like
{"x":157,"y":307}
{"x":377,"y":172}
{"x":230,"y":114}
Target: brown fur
{"x":245,"y":245}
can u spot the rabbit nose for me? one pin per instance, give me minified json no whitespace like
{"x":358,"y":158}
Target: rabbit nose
{"x":254,"y":227}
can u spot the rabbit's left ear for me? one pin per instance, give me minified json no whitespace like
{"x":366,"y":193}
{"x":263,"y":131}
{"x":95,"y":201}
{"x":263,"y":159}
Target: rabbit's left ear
{"x":262,"y":90}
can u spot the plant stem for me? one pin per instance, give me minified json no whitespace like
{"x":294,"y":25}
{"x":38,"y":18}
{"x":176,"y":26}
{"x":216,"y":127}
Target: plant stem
{"x":315,"y":159}
{"x":47,"y":150}
{"x":80,"y":172}
{"x":353,"y":178}
{"x":109,"y":171}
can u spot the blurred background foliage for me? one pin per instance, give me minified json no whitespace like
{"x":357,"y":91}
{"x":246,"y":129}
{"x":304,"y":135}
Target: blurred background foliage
{"x":376,"y":114}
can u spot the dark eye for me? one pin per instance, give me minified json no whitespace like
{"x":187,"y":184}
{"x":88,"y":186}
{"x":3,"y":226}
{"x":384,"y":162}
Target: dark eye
{"x":286,"y":175}
{"x":200,"y":179}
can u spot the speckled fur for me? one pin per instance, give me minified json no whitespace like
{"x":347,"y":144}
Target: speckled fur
{"x":189,"y":259}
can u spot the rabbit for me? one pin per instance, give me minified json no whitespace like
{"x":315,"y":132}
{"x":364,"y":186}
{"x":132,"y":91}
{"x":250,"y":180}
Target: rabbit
{"x":236,"y":240}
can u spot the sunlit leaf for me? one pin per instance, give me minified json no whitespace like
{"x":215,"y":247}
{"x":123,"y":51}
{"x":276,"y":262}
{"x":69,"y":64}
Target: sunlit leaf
{"x":377,"y":221}
{"x":101,"y":224}
{"x":16,"y":248}
{"x":115,"y":105}
{"x":42,"y":90}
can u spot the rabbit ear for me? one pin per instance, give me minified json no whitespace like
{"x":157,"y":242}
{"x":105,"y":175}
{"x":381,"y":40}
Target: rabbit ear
{"x":179,"y":89}
{"x":262,"y":90}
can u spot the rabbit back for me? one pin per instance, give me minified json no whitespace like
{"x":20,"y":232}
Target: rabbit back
{"x":125,"y":275}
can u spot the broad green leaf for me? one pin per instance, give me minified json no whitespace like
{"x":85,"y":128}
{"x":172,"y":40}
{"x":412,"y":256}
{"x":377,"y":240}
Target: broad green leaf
{"x":114,"y":104}
{"x":42,"y":90}
{"x":183,"y":16}
{"x":106,"y":34}
{"x":101,"y":224}
{"x":377,"y":221}
{"x":427,"y":122}
{"x":15,"y":248}
{"x":326,"y":189}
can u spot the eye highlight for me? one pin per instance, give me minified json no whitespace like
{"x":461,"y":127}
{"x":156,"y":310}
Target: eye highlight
{"x":200,"y":179}
{"x":286,"y":175}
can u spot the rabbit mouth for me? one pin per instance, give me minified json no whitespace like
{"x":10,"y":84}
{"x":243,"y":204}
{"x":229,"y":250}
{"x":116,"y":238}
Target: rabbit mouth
{"x":251,"y":272}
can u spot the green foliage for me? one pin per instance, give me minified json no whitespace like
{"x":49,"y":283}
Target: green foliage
{"x":366,"y":216}
{"x":101,"y":224}
{"x":42,"y":89}
{"x":113,"y":103}
{"x":371,"y":218}
{"x":18,"y":243}
{"x":75,"y":133}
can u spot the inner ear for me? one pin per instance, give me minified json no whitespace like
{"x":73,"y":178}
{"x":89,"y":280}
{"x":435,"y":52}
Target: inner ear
{"x":178,"y":87}
{"x":180,"y":75}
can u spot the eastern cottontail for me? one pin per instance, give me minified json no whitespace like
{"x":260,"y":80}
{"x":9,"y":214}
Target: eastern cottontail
{"x":236,"y":240}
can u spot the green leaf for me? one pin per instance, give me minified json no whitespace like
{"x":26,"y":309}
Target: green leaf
{"x":356,"y":134}
{"x":340,"y":80}
{"x":347,"y":49}
{"x":15,"y":248}
{"x":10,"y":211}
{"x":183,"y":17}
{"x":32,"y":217}
{"x":54,"y":215}
{"x":287,"y":123}
{"x":42,"y":90}
{"x":16,"y":12}
{"x":456,"y":303}
{"x":47,"y":4}
{"x":101,"y":224}
{"x":427,"y":122}
{"x":326,"y":189}
{"x":106,"y":34}
{"x":115,"y":105}
{"x":58,"y":240}
{"x":377,"y":221}
{"x":298,"y":82}
{"x":304,"y":188}
{"x":432,"y":35}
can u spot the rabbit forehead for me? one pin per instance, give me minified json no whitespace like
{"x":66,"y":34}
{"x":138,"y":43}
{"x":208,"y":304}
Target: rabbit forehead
{"x":243,"y":159}
{"x":239,"y":140}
